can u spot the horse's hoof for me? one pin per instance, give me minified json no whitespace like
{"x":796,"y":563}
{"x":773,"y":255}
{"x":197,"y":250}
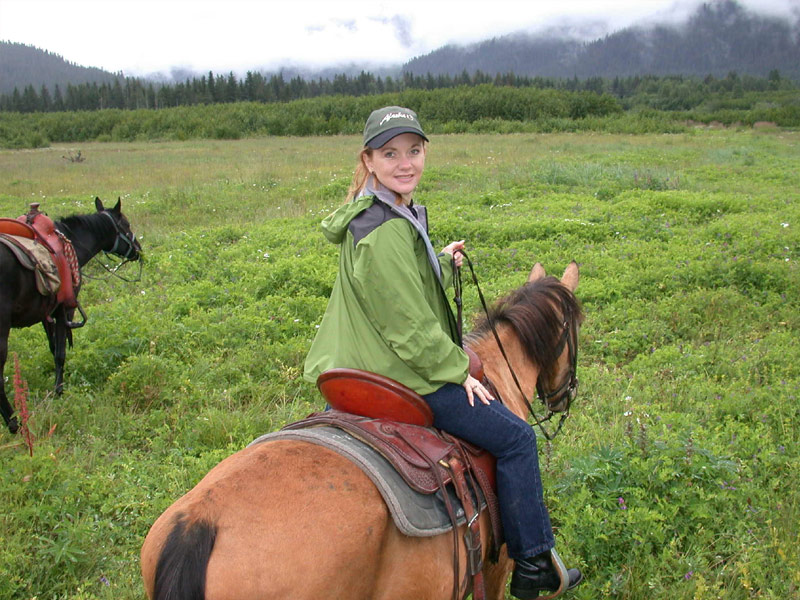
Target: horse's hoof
{"x":13,"y":425}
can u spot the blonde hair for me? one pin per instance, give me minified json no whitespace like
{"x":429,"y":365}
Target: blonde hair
{"x":360,"y":174}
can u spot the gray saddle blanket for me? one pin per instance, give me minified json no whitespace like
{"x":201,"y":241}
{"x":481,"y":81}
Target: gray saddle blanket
{"x":414,"y":514}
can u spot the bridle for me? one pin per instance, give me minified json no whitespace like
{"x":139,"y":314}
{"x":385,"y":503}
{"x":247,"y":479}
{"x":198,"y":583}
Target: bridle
{"x":128,"y":238}
{"x":569,"y":387}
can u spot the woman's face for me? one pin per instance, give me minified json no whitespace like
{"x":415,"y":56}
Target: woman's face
{"x":399,"y":163}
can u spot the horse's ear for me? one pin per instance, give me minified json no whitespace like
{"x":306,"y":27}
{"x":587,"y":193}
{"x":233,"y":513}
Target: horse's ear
{"x":98,"y":204}
{"x":118,"y":207}
{"x":537,"y":272}
{"x":571,"y":276}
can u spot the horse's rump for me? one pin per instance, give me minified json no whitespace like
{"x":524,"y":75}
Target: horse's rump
{"x":313,"y":507}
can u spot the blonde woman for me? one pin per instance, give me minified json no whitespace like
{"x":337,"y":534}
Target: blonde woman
{"x":389,"y":314}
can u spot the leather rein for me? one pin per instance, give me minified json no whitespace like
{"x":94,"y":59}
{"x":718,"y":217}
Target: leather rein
{"x":568,"y":389}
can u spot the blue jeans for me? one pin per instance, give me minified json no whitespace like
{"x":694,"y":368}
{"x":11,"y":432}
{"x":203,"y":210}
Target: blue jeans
{"x":526,"y":523}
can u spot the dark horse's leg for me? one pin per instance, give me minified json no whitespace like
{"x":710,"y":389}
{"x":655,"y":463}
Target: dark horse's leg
{"x":5,"y":407}
{"x":57,"y":337}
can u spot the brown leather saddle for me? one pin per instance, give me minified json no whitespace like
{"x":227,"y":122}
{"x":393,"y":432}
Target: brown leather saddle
{"x":397,"y":423}
{"x":36,"y":225}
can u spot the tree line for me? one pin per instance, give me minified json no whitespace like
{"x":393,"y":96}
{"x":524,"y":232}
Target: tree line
{"x":485,"y":108}
{"x":661,"y":92}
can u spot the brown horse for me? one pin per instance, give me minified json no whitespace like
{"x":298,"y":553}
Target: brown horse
{"x":288,"y":519}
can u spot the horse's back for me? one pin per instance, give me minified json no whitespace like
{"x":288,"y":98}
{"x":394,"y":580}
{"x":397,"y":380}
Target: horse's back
{"x":289,"y":520}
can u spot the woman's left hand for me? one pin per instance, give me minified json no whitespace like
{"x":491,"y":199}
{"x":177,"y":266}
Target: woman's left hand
{"x":453,"y":250}
{"x":475,"y":388}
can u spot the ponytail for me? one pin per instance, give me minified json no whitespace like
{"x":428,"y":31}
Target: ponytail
{"x":360,"y":174}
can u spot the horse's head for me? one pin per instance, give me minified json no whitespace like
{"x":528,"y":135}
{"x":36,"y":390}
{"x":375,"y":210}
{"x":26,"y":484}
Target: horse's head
{"x":545,"y":316}
{"x":557,"y":385}
{"x":124,"y":243}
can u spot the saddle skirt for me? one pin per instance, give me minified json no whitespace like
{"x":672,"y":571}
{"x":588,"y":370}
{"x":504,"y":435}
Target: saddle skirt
{"x":414,"y":513}
{"x":37,"y":226}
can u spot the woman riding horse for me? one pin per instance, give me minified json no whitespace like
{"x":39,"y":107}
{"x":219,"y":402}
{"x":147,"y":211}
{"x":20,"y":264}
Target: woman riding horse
{"x":288,"y":519}
{"x":388,"y":314}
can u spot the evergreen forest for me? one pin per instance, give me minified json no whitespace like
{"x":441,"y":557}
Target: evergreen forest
{"x":660,"y":92}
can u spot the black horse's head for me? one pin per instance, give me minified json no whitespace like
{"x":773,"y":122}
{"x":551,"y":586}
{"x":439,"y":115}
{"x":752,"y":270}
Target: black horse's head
{"x":124,"y":243}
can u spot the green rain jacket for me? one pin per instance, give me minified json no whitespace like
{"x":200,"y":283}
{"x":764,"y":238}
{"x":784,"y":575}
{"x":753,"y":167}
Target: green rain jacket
{"x":388,"y":312}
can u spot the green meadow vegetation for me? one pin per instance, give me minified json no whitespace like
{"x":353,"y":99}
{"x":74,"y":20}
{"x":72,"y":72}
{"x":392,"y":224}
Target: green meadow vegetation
{"x":676,"y":476}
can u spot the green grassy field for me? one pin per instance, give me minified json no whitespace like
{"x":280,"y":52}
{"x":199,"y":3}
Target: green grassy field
{"x":678,"y":474}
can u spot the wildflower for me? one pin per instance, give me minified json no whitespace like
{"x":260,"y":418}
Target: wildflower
{"x":621,"y":502}
{"x":688,"y":575}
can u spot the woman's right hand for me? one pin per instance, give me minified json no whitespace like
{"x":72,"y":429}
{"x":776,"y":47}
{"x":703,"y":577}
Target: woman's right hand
{"x":453,"y":250}
{"x":475,"y":388}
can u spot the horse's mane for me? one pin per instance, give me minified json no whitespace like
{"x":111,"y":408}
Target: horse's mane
{"x":93,"y":223}
{"x":536,"y":312}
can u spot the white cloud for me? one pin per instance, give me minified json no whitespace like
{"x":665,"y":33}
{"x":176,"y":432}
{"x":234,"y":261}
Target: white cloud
{"x":143,"y":36}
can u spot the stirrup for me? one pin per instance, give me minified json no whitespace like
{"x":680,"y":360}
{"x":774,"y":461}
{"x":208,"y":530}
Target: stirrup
{"x":563,"y":575}
{"x":78,"y":324}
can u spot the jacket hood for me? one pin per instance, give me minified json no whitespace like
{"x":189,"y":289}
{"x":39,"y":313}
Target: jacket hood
{"x":334,"y":226}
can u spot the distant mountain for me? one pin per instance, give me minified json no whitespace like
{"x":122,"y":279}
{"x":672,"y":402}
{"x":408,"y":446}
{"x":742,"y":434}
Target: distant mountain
{"x":21,"y":66}
{"x":718,"y":38}
{"x":518,"y":53}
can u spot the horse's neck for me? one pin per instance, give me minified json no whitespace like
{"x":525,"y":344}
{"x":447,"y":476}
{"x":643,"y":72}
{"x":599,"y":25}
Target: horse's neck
{"x":497,"y":369}
{"x":83,"y":237}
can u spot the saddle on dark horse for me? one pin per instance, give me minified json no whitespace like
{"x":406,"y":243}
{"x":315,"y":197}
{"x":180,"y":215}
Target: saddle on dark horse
{"x":41,"y":248}
{"x":431,"y":481}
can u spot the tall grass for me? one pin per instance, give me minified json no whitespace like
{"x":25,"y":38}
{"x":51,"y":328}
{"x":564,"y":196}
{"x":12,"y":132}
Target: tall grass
{"x":678,"y":475}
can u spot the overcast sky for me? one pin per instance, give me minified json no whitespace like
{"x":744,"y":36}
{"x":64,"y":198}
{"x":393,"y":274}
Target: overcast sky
{"x":140,"y":37}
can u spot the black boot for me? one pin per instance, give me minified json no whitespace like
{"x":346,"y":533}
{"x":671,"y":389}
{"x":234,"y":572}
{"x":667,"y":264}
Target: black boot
{"x":538,"y":573}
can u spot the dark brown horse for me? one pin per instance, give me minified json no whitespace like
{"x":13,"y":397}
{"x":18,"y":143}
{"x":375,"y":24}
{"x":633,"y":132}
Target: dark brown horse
{"x":288,"y":519}
{"x":21,"y":304}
